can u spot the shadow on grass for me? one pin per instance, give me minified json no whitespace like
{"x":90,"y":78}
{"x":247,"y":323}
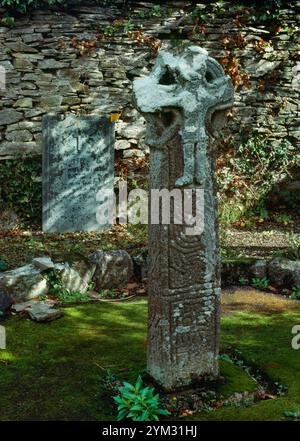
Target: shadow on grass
{"x":53,"y":371}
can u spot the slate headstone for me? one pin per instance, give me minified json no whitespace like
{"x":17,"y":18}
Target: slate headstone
{"x":78,"y":163}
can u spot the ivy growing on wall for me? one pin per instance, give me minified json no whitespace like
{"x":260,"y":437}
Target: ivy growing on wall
{"x":23,"y":6}
{"x":21,"y":189}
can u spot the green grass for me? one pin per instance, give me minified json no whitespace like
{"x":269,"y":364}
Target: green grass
{"x":53,"y":371}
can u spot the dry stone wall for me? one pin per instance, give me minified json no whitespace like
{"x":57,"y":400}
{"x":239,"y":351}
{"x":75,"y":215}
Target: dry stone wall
{"x":51,"y":67}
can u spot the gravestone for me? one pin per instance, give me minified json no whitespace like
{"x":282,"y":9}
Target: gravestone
{"x":78,"y":164}
{"x":184,"y":100}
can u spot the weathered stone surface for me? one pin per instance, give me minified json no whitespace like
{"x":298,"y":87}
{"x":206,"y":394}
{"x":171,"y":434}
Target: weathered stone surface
{"x":5,"y":300}
{"x":76,"y":276}
{"x":8,"y":219}
{"x":284,"y":272}
{"x":24,"y":306}
{"x":122,"y":144}
{"x":42,"y":312}
{"x":22,"y":63}
{"x":9,"y":116}
{"x":43,"y":263}
{"x":184,"y":95}
{"x":23,"y":283}
{"x":140,"y":266}
{"x":265,"y":66}
{"x":24,"y":103}
{"x":113,"y":269}
{"x":132,"y":131}
{"x":48,"y":101}
{"x":11,"y":148}
{"x":259,"y":269}
{"x":19,"y":136}
{"x":232,"y":270}
{"x":18,"y":46}
{"x":94,"y":75}
{"x":78,"y":167}
{"x":50,"y":64}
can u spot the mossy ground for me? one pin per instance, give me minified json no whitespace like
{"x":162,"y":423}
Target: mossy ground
{"x":53,"y":371}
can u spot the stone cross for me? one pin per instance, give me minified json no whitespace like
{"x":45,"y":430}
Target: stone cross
{"x":184,"y":100}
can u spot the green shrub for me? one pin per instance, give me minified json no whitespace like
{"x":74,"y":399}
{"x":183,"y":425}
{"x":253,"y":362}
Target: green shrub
{"x":292,"y":414}
{"x":262,"y":283}
{"x":256,"y":164}
{"x":3,"y":265}
{"x":295,"y":293}
{"x":24,"y":6}
{"x":138,"y":403}
{"x":21,"y":189}
{"x":62,"y":294}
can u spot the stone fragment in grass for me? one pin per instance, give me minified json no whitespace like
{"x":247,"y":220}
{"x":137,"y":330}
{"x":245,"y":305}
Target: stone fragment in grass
{"x":24,"y":306}
{"x":42,"y":312}
{"x":20,"y":307}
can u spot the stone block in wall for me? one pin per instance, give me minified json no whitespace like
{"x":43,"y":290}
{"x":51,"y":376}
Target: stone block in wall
{"x":8,"y":149}
{"x":122,"y":144}
{"x":24,"y":103}
{"x":22,"y":63}
{"x":9,"y":116}
{"x":19,"y":46}
{"x":50,"y":101}
{"x":19,"y":136}
{"x":131,"y":131}
{"x":51,"y":64}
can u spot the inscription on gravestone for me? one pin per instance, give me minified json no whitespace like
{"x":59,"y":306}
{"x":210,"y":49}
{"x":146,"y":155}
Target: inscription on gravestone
{"x":78,"y":162}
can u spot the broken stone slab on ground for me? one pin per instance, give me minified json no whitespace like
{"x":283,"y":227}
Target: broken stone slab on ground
{"x":114,"y":269}
{"x":43,"y":263}
{"x":43,"y":312}
{"x":284,"y":272}
{"x":76,"y":276}
{"x":24,"y":306}
{"x":259,"y":269}
{"x":24,"y":283}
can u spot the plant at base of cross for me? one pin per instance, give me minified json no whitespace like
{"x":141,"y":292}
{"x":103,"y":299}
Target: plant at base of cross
{"x":138,"y":403}
{"x":262,"y":283}
{"x":292,"y":414}
{"x":243,"y":281}
{"x":295,"y":293}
